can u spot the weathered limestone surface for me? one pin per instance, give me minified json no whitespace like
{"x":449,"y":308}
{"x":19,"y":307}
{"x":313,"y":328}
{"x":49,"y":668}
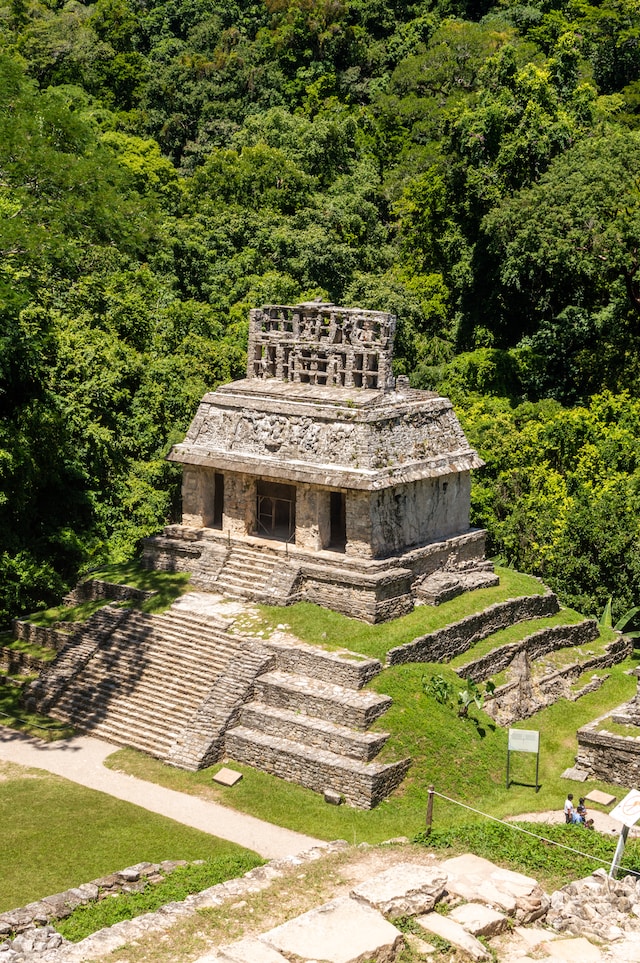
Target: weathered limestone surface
{"x":479,"y":920}
{"x":476,"y":879}
{"x":513,"y":701}
{"x":342,"y":931}
{"x":447,"y":929}
{"x":406,"y":889}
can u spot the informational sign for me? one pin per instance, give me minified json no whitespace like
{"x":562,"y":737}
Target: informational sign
{"x":524,"y":740}
{"x":627,"y":811}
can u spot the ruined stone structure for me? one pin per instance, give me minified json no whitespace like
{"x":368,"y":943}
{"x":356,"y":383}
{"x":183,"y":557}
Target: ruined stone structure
{"x":321,"y":477}
{"x":609,"y":755}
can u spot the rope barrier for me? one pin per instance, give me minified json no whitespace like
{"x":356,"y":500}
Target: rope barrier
{"x":527,"y":832}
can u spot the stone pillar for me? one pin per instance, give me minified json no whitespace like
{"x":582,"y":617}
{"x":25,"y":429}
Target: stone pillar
{"x":324,"y":518}
{"x":239,"y":516}
{"x":197,"y":496}
{"x":307,"y":510}
{"x":358,"y":523}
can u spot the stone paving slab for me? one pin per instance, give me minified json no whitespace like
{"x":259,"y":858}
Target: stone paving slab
{"x":227,"y":777}
{"x":342,"y":931}
{"x":249,"y":951}
{"x":476,"y":879}
{"x":454,"y":933}
{"x":602,"y":798}
{"x":479,"y":920}
{"x":577,"y":950}
{"x":627,"y":951}
{"x":406,"y":889}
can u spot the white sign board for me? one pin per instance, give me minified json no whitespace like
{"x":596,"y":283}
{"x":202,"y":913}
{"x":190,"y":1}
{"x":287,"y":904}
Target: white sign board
{"x":524,"y":740}
{"x":627,"y":811}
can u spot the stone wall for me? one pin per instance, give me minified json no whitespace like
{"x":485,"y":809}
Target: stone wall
{"x":513,"y":702}
{"x":412,"y":514}
{"x":445,"y":644}
{"x":96,"y":590}
{"x":321,"y":344}
{"x":362,"y":785}
{"x":130,"y":880}
{"x":535,"y":645}
{"x":53,"y":636}
{"x":611,"y":758}
{"x":341,"y":668}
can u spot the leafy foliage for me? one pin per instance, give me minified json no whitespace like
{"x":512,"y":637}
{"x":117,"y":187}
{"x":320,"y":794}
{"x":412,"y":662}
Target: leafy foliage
{"x":471,"y":166}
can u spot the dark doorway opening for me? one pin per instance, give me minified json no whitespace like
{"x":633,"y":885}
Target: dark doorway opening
{"x":218,"y":499}
{"x":337,"y":522}
{"x":276,"y":511}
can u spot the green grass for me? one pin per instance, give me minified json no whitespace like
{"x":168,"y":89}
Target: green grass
{"x":618,"y":729}
{"x":168,"y":586}
{"x":549,"y":864}
{"x":64,"y":613}
{"x":464,"y":759}
{"x":330,"y":630}
{"x":13,"y":715}
{"x":176,"y":887}
{"x":42,"y":652}
{"x":515,"y":633}
{"x":56,"y":835}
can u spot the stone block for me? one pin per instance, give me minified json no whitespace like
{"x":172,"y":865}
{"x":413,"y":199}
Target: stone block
{"x":578,"y":775}
{"x":447,"y":929}
{"x":570,"y":951}
{"x":479,"y":920}
{"x":404,"y":890}
{"x":342,"y":931}
{"x":227,"y":777}
{"x":249,"y":951}
{"x":332,"y":797}
{"x":602,"y":798}
{"x":476,"y":879}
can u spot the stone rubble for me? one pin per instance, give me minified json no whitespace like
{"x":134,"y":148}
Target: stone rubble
{"x":483,"y":911}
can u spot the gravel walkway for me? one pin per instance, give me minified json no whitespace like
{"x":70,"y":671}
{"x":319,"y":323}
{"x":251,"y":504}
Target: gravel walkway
{"x":81,"y":760}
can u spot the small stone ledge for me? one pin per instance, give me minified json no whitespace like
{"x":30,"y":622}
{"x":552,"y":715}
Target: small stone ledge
{"x":95,"y":590}
{"x":58,"y":907}
{"x":309,"y":696}
{"x":345,"y":668}
{"x":114,"y":937}
{"x":536,"y":645}
{"x":445,"y":644}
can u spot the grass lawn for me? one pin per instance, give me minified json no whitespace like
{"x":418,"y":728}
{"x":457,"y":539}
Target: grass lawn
{"x":330,"y":630}
{"x":464,"y":759}
{"x":56,"y":834}
{"x":12,"y":714}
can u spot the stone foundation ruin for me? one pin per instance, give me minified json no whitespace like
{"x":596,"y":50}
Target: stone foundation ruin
{"x":321,"y":477}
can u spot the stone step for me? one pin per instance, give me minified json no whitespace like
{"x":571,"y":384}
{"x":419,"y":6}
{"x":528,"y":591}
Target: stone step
{"x":100,"y":687}
{"x":345,"y":668}
{"x":184,"y":640}
{"x":312,"y":732}
{"x":157,"y":659}
{"x":163,"y":672}
{"x":362,"y":784}
{"x":313,"y":697}
{"x":109,"y":701}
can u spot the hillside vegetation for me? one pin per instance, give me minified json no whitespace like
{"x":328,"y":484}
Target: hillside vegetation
{"x":470,"y":166}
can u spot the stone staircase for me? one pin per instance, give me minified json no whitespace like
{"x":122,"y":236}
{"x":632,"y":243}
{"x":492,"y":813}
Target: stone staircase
{"x":308,"y":724}
{"x":166,"y":684}
{"x":245,"y":573}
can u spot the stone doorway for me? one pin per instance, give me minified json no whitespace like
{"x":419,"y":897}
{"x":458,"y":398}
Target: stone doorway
{"x":276,"y":511}
{"x":337,"y":522}
{"x":218,"y":500}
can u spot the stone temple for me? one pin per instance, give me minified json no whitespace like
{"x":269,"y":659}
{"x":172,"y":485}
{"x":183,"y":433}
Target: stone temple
{"x":321,"y":477}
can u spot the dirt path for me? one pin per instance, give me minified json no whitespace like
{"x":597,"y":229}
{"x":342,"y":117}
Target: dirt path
{"x":81,"y":760}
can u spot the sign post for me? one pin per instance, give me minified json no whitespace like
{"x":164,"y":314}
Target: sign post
{"x":524,"y":740}
{"x":626,"y":812}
